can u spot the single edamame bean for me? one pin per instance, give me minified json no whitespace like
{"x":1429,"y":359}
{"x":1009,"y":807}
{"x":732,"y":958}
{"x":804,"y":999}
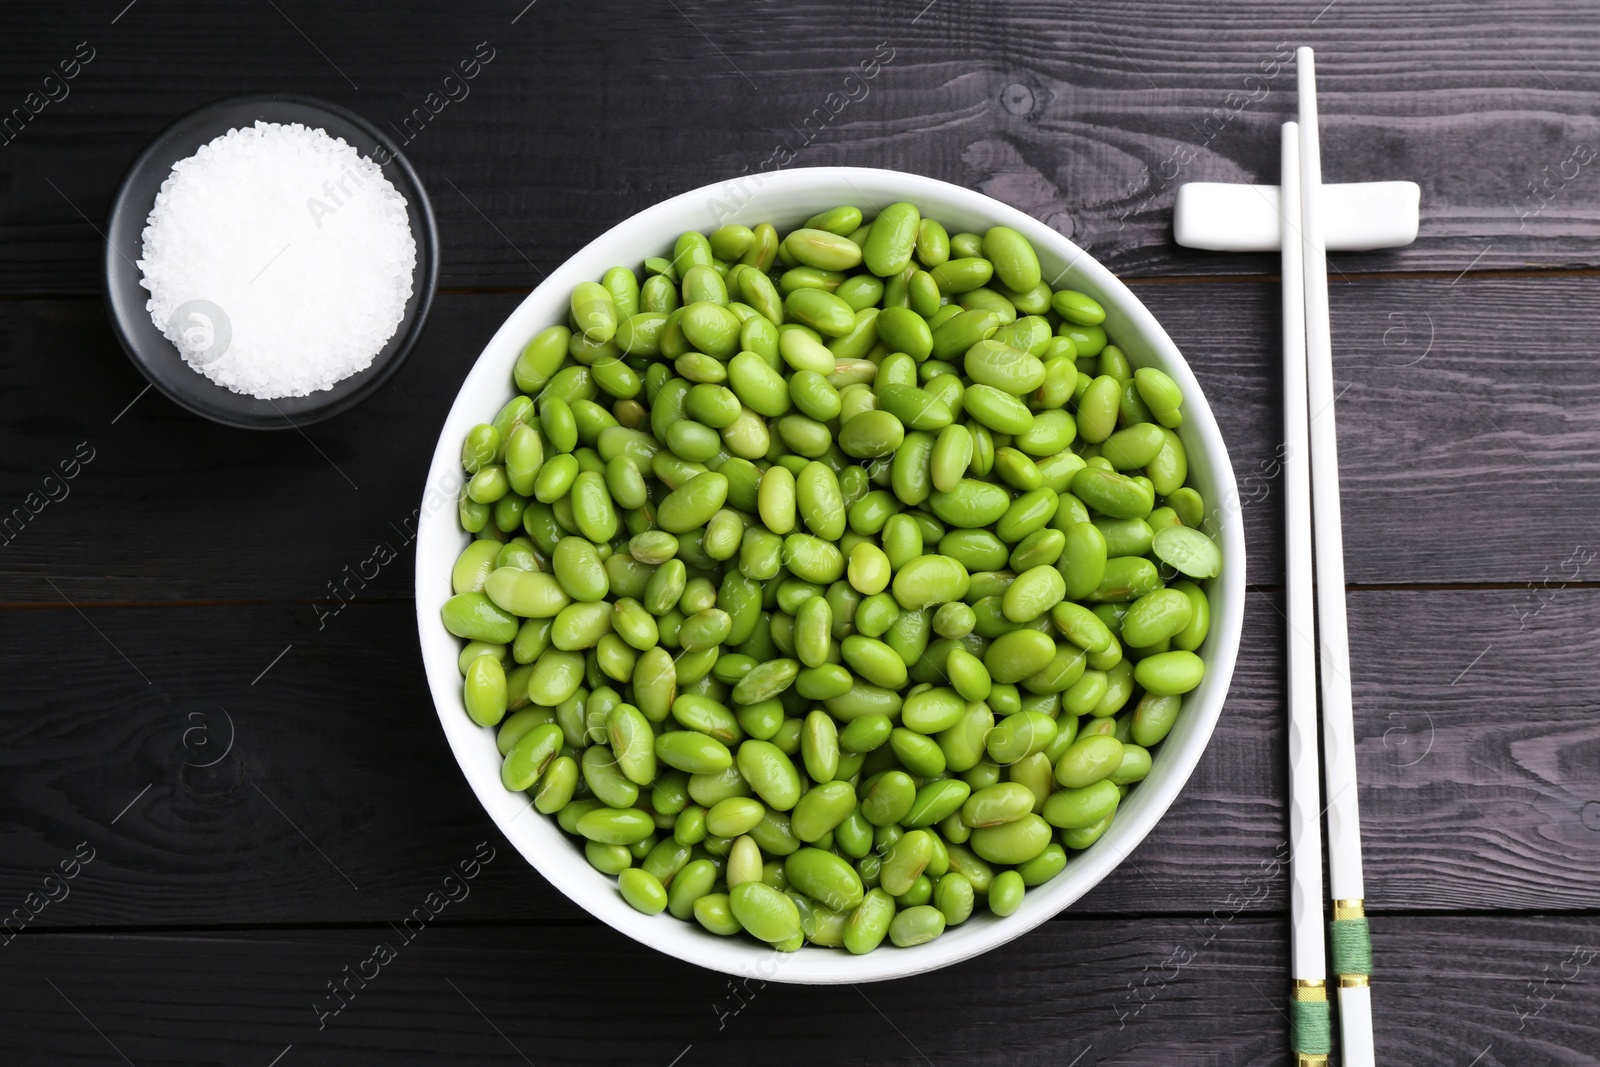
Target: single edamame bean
{"x":764,"y":912}
{"x":693,"y":503}
{"x":594,"y":311}
{"x":819,"y":746}
{"x":1006,"y":893}
{"x":1012,"y":842}
{"x":1083,"y":560}
{"x":866,"y":733}
{"x":475,"y":616}
{"x":1020,"y":736}
{"x":871,"y":435}
{"x":530,"y":757}
{"x":642,"y":890}
{"x":889,"y":799}
{"x":892,"y":239}
{"x":962,"y":275}
{"x":484,"y":691}
{"x":1158,"y":615}
{"x":952,"y":456}
{"x":954,"y":897}
{"x":632,"y":740}
{"x":998,"y":804}
{"x":693,"y":752}
{"x":1189,"y":551}
{"x":1088,"y":760}
{"x":1113,"y":494}
{"x":936,"y":801}
{"x":731,"y":241}
{"x":825,"y":877}
{"x":821,"y":249}
{"x":1078,"y":307}
{"x":541,"y":358}
{"x":1153,"y":718}
{"x":734,"y":816}
{"x":931,"y":711}
{"x":1083,"y":806}
{"x":1034,"y":592}
{"x":903,"y":863}
{"x":713,"y":912}
{"x":860,"y":291}
{"x":967,"y":673}
{"x":933,"y":243}
{"x":770,"y":773}
{"x":916,"y":926}
{"x":869,"y":922}
{"x":1161,"y":394}
{"x":1013,"y":258}
{"x":1000,"y":366}
{"x":694,"y":881}
{"x":930,"y":580}
{"x":903,"y":330}
{"x":1018,"y":654}
{"x":819,"y":309}
{"x":473,"y":566}
{"x":1169,"y":673}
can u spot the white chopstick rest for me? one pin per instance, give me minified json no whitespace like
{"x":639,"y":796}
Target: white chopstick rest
{"x":1352,"y":951}
{"x":1309,"y":1022}
{"x":1357,"y":217}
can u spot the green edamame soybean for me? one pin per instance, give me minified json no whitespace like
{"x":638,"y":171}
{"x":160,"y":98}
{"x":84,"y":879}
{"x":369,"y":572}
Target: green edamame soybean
{"x":1169,"y":673}
{"x":1006,"y":893}
{"x":869,"y":922}
{"x":892,"y":239}
{"x":1013,"y":842}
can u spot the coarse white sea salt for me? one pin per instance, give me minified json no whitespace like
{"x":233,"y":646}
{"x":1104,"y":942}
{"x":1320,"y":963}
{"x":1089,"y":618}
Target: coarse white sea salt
{"x":279,"y":260}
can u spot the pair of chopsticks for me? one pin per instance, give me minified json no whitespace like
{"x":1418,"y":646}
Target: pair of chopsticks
{"x":1315,"y":556}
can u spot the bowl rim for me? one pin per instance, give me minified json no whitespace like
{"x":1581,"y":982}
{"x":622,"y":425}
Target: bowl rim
{"x":439,"y":538}
{"x":225,"y":408}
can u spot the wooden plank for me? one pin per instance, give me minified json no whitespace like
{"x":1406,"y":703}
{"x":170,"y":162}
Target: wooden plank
{"x":1435,"y":427}
{"x":338,"y":798}
{"x":1094,"y":992}
{"x":1086,"y":123}
{"x":173,"y":507}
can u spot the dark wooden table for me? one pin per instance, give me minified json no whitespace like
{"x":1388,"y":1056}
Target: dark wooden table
{"x":171,"y":600}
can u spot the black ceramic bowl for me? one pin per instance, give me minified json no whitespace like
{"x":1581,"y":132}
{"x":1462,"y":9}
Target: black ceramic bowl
{"x":158,"y":358}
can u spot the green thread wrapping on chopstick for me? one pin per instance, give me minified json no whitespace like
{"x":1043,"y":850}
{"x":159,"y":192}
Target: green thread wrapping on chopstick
{"x":1352,"y":947}
{"x":1310,"y":1028}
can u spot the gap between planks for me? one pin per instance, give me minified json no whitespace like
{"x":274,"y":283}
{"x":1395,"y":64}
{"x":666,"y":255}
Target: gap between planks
{"x":1531,"y":273}
{"x":1068,"y":916}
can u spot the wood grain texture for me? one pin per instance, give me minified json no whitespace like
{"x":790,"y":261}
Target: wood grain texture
{"x":1439,"y":429}
{"x":1087,"y":122}
{"x":1106,"y":992}
{"x":257,"y":767}
{"x":174,"y":507}
{"x":338,"y":800}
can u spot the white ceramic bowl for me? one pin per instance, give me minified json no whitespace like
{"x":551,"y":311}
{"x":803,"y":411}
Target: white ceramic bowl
{"x":786,"y":199}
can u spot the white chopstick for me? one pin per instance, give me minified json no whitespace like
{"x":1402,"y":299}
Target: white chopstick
{"x":1309,"y":1021}
{"x":1351,"y":947}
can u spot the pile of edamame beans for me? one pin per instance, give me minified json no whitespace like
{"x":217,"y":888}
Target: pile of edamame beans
{"x":831,"y":586}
